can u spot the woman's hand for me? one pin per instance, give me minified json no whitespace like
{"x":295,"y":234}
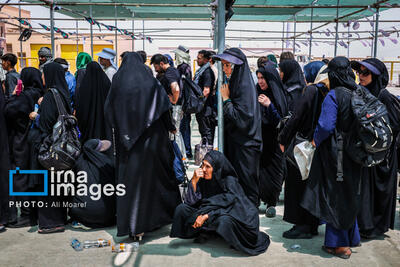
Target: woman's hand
{"x":225,"y":93}
{"x":264,"y":100}
{"x":33,"y":115}
{"x":40,"y":101}
{"x":198,"y":173}
{"x":282,"y":147}
{"x":313,"y":143}
{"x":200,"y":221}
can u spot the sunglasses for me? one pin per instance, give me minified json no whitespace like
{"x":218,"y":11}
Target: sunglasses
{"x":364,"y":72}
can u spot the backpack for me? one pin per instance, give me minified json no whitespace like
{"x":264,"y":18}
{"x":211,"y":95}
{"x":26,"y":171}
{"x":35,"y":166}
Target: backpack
{"x":62,"y":148}
{"x":372,"y":135}
{"x":193,"y":99}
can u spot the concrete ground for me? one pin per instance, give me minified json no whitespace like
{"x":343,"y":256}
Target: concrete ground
{"x":25,"y":247}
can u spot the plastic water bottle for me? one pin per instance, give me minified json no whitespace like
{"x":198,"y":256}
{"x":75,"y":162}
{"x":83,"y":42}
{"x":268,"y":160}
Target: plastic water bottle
{"x":75,"y":244}
{"x":125,"y":247}
{"x":99,"y":243}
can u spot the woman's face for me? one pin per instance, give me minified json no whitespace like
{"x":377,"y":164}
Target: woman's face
{"x":227,"y":68}
{"x":207,"y":169}
{"x":281,"y":74}
{"x":44,"y":82}
{"x":261,"y":81}
{"x":365,"y":76}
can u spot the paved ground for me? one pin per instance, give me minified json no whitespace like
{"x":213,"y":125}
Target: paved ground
{"x":24,"y":247}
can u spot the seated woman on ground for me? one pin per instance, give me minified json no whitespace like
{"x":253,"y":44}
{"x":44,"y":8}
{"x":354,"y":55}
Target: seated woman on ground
{"x":216,"y":203}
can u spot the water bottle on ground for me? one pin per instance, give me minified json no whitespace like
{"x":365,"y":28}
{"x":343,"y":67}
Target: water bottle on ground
{"x":125,"y":247}
{"x":75,"y":244}
{"x":99,"y":243}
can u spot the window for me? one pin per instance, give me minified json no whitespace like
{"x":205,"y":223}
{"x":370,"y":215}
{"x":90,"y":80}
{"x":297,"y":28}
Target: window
{"x":9,"y":48}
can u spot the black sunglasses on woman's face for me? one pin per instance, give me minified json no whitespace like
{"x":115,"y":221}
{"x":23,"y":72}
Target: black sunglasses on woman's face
{"x":365,"y":72}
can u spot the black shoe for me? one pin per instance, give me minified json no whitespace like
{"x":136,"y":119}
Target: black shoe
{"x":295,"y":233}
{"x":21,"y":222}
{"x":2,"y":228}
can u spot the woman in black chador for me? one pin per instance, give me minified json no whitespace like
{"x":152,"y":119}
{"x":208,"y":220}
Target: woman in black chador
{"x":4,"y":167}
{"x":329,"y":195}
{"x":302,"y":123}
{"x":273,"y":106}
{"x":379,"y":183}
{"x":138,"y":109}
{"x":242,"y":118}
{"x":52,"y":219}
{"x":216,"y":203}
{"x":17,"y":111}
{"x":90,"y":101}
{"x":293,"y":79}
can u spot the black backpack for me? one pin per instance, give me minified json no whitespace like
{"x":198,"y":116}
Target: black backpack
{"x":193,"y":99}
{"x":61,"y":149}
{"x":372,"y":135}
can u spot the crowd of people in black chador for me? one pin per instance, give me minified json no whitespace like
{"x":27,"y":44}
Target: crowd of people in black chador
{"x":129,"y":120}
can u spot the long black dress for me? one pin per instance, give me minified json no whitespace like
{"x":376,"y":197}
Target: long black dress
{"x":17,"y":112}
{"x":271,"y":162}
{"x":302,"y":122}
{"x":137,"y":107}
{"x":4,"y":164}
{"x":379,"y":183}
{"x":50,"y":217}
{"x":242,"y":133}
{"x":230,"y":213}
{"x":100,"y":170}
{"x":293,"y":80}
{"x":90,"y":102}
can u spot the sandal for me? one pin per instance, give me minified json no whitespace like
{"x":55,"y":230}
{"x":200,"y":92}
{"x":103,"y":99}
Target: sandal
{"x":333,"y":251}
{"x":59,"y":229}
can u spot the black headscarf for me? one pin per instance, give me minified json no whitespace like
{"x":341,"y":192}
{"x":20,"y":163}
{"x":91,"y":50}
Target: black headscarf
{"x":32,"y":79}
{"x":340,"y":73}
{"x":54,"y":76}
{"x":293,"y":77}
{"x":275,"y":90}
{"x":244,"y":94}
{"x":135,"y":101}
{"x":221,"y":169}
{"x":33,"y":87}
{"x":90,"y":102}
{"x":379,"y":82}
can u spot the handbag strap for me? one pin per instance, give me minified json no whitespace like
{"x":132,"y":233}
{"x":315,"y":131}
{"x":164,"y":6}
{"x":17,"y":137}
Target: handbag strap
{"x":59,"y":103}
{"x":339,"y":172}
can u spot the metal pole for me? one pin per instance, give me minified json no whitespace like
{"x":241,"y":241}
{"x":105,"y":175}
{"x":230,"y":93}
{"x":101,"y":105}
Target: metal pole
{"x":20,"y":42}
{"x":294,"y":39}
{"x":91,"y":30}
{"x":53,"y":47}
{"x":348,"y":42}
{"x":143,"y":36}
{"x":116,"y":35}
{"x":283,"y":33}
{"x":376,"y":31}
{"x":310,"y":46}
{"x":77,"y":38}
{"x":337,"y":28}
{"x":215,"y":42}
{"x":133,"y":31}
{"x":221,"y":47}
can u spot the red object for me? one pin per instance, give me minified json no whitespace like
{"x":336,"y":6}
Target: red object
{"x":19,"y":87}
